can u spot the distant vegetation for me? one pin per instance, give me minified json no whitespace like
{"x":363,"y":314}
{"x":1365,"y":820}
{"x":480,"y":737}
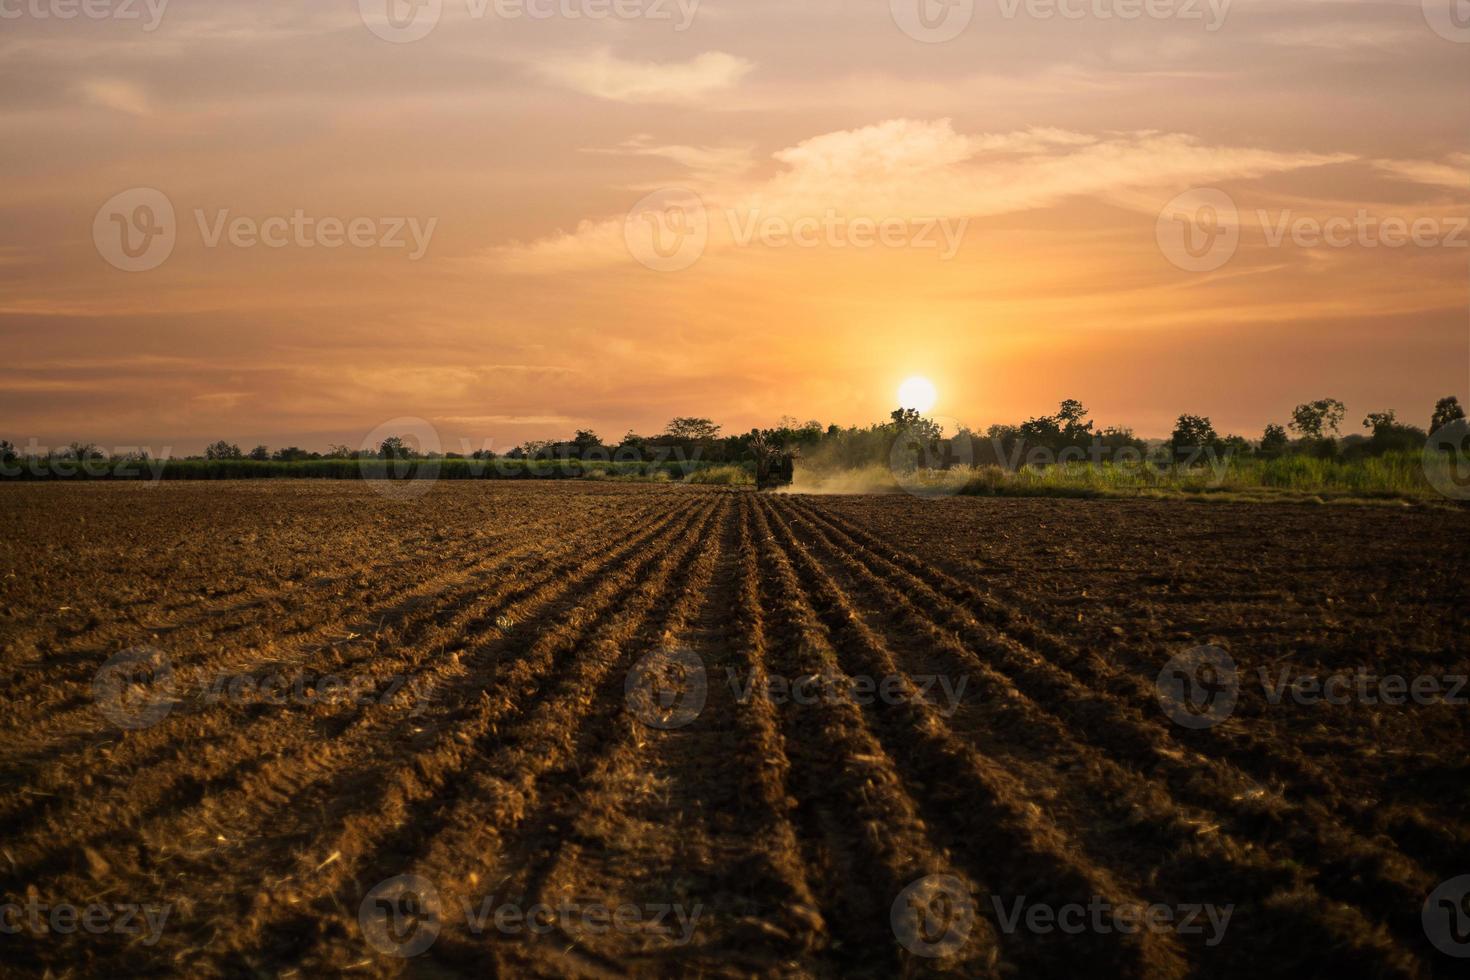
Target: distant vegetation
{"x":1062,"y":454}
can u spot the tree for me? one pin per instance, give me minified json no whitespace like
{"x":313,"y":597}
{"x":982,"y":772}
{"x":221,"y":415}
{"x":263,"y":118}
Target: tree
{"x":290,"y":454}
{"x":394,"y":447}
{"x":223,"y":450}
{"x":338,"y":451}
{"x":1069,"y":419}
{"x":1389,"y":435}
{"x":1380,"y":422}
{"x":1313,"y":420}
{"x":1274,"y":441}
{"x":585,"y":441}
{"x":909,"y":420}
{"x":1193,"y":432}
{"x":7,"y":451}
{"x":1446,"y":410}
{"x":686,"y":427}
{"x":260,"y":454}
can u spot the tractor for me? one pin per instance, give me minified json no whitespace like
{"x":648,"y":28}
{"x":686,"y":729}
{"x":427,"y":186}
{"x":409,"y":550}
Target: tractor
{"x":775,"y":465}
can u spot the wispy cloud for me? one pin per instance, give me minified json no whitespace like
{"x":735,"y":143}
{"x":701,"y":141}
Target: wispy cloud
{"x":116,"y":94}
{"x":1454,"y":173}
{"x":601,"y":74}
{"x":915,"y":169}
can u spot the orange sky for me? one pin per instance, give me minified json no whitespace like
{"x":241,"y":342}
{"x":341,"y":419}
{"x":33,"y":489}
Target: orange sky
{"x":517,"y":147}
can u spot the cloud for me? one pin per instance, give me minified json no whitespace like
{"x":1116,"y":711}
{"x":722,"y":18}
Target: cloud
{"x":119,"y":95}
{"x":1345,"y":37}
{"x":921,"y":169}
{"x":605,"y":76}
{"x":704,"y":163}
{"x":1455,"y":174}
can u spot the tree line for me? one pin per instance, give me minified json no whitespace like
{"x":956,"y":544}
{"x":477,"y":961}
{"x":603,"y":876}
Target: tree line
{"x":1313,"y":428}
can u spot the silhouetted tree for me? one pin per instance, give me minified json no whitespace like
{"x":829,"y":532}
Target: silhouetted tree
{"x":1314,"y":420}
{"x":1446,"y":410}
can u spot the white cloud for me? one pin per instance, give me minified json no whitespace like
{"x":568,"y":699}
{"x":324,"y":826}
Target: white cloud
{"x":919,"y":169}
{"x":601,"y":74}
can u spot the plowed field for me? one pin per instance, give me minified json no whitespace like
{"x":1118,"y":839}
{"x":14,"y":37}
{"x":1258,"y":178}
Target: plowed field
{"x":605,"y":729}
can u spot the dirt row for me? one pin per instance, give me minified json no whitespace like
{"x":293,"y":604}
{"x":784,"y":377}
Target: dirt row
{"x":617,"y":729}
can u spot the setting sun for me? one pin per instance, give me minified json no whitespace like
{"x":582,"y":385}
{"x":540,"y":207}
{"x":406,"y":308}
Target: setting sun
{"x":917,"y":393}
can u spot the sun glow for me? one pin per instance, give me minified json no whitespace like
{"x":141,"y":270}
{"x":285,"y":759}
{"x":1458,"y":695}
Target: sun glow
{"x":917,"y":393}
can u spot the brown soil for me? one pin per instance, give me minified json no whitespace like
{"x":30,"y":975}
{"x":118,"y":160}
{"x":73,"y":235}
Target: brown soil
{"x":496,"y":756}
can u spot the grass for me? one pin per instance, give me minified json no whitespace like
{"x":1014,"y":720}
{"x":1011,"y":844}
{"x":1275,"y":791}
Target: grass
{"x":1393,"y":477}
{"x":722,"y":476}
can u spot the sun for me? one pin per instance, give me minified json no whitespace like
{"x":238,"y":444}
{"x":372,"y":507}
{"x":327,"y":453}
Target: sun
{"x":917,"y":393}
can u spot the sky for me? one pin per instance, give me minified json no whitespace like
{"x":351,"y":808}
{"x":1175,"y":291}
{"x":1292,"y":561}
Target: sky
{"x":296,"y":223}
